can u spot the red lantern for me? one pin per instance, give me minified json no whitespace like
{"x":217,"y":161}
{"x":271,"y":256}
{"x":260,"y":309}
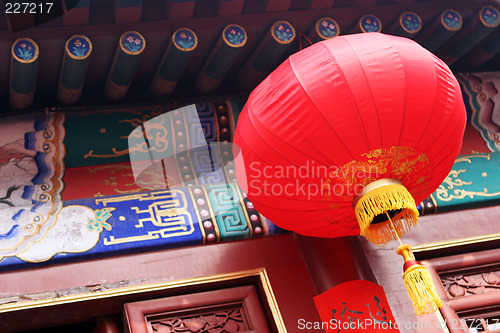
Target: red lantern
{"x":358,"y":127}
{"x":341,"y":115}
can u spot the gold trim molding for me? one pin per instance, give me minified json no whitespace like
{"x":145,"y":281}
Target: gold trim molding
{"x":131,"y":290}
{"x":454,"y":243}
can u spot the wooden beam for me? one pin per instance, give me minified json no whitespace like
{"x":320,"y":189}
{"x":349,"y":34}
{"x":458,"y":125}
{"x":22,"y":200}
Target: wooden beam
{"x":407,"y":25}
{"x":324,"y":28}
{"x":481,"y":54}
{"x":320,"y":4}
{"x":485,"y":21}
{"x":364,"y":2}
{"x":367,"y":23}
{"x":180,"y":9}
{"x":127,"y":57}
{"x":77,"y":51}
{"x":229,"y":7}
{"x":223,"y":55}
{"x":23,"y":72}
{"x":277,"y":40}
{"x":77,"y":12}
{"x":276,"y":5}
{"x":441,"y":30}
{"x":128,"y":11}
{"x":180,"y":49}
{"x":20,"y":21}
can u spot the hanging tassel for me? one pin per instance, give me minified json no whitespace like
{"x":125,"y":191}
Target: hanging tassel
{"x":378,"y":198}
{"x":418,"y":282}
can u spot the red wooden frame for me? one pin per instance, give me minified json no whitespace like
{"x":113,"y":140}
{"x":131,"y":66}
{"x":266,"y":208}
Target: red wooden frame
{"x":137,"y":314}
{"x":468,"y":262}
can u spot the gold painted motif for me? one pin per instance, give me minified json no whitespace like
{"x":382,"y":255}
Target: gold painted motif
{"x":398,"y":161}
{"x":468,"y":157}
{"x":160,"y":135}
{"x":111,"y":181}
{"x":161,"y":213}
{"x":167,"y":210}
{"x":452,"y":186}
{"x":115,"y":153}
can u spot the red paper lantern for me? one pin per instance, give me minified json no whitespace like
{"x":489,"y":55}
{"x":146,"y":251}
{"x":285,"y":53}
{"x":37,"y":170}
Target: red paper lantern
{"x":359,"y":127}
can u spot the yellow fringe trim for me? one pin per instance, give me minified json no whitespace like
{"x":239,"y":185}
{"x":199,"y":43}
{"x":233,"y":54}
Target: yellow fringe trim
{"x":421,"y":289}
{"x":381,"y":200}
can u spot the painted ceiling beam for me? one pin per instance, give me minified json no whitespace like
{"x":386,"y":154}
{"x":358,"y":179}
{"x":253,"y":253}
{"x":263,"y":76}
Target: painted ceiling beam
{"x":276,"y":5}
{"x":444,"y":27}
{"x":180,"y":49}
{"x":220,"y":61}
{"x":367,"y":23}
{"x":23,"y":72}
{"x":324,"y":28}
{"x":77,"y":51}
{"x":128,"y":11}
{"x":77,"y":12}
{"x":407,"y":25}
{"x":180,"y":9}
{"x":270,"y":50}
{"x":320,"y":4}
{"x":229,"y":7}
{"x":485,"y":21}
{"x":127,"y":58}
{"x":483,"y":52}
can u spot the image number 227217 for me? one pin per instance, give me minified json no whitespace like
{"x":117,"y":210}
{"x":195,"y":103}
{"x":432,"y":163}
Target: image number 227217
{"x":28,"y":7}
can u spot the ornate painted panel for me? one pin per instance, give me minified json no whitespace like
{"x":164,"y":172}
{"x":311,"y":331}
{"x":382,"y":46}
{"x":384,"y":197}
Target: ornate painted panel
{"x":68,"y":190}
{"x":474,"y":181}
{"x":482,"y":99}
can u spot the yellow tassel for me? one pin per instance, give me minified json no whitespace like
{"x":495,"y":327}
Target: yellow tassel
{"x":418,"y":283}
{"x":379,"y":197}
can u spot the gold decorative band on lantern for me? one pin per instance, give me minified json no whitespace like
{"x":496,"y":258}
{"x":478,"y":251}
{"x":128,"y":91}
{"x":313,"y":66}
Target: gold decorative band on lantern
{"x":378,"y":198}
{"x":418,"y":283}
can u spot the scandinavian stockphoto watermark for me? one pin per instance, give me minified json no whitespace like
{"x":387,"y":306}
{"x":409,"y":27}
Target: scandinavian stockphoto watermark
{"x":178,"y":149}
{"x":308,"y":180}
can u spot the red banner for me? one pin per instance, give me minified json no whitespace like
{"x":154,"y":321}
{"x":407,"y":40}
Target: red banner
{"x":355,"y":306}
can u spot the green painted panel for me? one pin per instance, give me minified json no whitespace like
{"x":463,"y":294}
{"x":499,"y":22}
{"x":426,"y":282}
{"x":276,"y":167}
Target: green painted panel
{"x":474,"y":181}
{"x":100,"y":136}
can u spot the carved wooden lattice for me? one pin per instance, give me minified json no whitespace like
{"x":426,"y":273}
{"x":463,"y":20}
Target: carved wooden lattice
{"x":228,"y":310}
{"x":471,"y":284}
{"x":470,"y":289}
{"x":224,"y":321}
